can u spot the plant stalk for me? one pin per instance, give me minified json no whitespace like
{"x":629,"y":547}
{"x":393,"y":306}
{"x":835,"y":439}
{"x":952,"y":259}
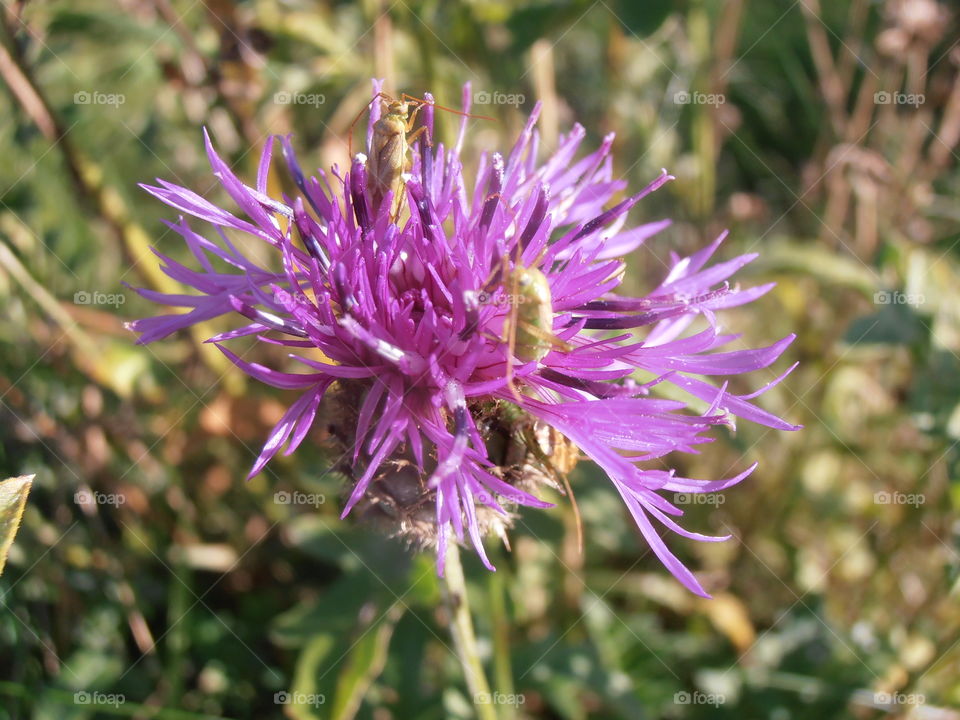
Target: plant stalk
{"x":464,"y":637}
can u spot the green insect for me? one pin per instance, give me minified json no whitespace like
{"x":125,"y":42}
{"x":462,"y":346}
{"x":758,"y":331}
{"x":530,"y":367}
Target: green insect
{"x":529,"y":329}
{"x":528,"y":334}
{"x":531,"y":336}
{"x":528,"y":326}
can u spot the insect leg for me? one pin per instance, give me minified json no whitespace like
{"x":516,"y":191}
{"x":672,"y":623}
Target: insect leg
{"x":512,"y":317}
{"x":534,"y":445}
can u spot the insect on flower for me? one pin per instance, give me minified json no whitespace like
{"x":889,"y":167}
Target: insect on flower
{"x":448,"y":411}
{"x":528,"y":322}
{"x":528,"y":335}
{"x":393,"y":135}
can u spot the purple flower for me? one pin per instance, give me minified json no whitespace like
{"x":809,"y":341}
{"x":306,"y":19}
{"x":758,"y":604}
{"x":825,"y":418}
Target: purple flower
{"x":479,"y":322}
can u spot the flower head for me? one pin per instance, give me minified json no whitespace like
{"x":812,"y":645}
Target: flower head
{"x":466,"y":341}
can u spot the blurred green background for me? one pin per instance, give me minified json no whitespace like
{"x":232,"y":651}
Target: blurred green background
{"x":150,"y":581}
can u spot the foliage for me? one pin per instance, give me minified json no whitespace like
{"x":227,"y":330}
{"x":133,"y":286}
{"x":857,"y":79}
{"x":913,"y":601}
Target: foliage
{"x":149,"y":580}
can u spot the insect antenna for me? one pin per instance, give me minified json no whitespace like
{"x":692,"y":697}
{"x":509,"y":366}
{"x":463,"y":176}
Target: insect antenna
{"x":421,"y":101}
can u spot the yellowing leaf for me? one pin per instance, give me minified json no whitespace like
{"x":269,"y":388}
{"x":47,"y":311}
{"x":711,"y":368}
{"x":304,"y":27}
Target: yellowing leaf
{"x":13,"y":499}
{"x":731,"y":617}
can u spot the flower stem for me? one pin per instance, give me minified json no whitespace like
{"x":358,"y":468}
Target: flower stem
{"x":464,"y":638}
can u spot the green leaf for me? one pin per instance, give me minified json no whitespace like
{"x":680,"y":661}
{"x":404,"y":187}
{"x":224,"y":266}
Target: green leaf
{"x":891,"y":325}
{"x":364,"y":665}
{"x":304,"y":700}
{"x":326,"y":674}
{"x":529,"y":24}
{"x":825,"y":265}
{"x":13,"y":499}
{"x":644,"y":18}
{"x":333,"y":611}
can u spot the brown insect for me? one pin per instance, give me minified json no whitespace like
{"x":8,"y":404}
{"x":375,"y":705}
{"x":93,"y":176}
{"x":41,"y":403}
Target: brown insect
{"x":393,"y":134}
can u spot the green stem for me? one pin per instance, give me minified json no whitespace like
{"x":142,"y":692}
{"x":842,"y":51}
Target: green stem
{"x":464,"y":638}
{"x":500,"y":619}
